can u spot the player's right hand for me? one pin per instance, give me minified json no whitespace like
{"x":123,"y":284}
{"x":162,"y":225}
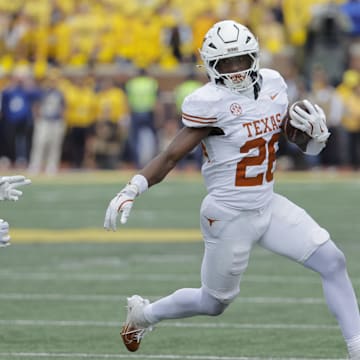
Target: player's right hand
{"x":311,"y":120}
{"x":121,"y":203}
{"x":9,"y":185}
{"x":4,"y":233}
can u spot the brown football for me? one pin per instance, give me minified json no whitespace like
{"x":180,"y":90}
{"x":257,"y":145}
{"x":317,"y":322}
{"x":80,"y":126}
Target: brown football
{"x":293,"y":134}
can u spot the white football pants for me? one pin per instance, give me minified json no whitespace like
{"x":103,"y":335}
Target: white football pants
{"x":281,"y":227}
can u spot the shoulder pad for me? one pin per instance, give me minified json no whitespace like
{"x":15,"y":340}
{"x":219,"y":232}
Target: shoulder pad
{"x":199,"y":109}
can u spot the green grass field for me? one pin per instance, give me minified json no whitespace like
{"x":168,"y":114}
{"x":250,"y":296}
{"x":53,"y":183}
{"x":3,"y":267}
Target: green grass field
{"x":64,"y":280}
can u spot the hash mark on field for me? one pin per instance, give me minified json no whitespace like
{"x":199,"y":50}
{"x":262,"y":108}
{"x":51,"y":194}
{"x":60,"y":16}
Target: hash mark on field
{"x":215,"y":325}
{"x":149,"y":356}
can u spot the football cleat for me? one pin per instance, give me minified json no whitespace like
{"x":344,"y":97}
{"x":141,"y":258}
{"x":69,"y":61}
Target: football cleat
{"x":135,"y":326}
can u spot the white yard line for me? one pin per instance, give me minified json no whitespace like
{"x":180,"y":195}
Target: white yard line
{"x":158,"y":277}
{"x":197,"y":325}
{"x":118,"y":298}
{"x":144,"y":356}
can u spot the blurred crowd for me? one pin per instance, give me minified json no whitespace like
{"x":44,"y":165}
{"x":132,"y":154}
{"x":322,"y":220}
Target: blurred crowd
{"x":99,"y":83}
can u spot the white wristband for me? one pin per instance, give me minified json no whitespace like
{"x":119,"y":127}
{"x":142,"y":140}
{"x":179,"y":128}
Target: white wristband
{"x":140,"y":182}
{"x":314,"y":147}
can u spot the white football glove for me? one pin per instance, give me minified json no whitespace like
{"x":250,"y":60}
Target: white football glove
{"x":9,"y":185}
{"x":121,"y":203}
{"x":4,"y":233}
{"x":312,"y":122}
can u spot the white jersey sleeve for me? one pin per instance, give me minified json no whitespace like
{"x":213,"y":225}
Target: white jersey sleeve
{"x":199,"y":109}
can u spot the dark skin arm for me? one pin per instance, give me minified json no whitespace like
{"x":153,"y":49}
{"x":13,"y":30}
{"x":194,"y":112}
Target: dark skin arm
{"x":185,"y":140}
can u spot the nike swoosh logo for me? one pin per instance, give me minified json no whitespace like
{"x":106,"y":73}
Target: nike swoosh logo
{"x":272,"y":97}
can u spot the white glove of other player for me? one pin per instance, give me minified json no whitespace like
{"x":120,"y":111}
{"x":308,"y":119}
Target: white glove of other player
{"x":9,"y":185}
{"x":312,"y":122}
{"x":4,"y":233}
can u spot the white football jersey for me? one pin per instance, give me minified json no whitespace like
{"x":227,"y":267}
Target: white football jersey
{"x":239,"y":154}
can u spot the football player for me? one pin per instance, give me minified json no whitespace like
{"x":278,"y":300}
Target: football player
{"x":9,"y":191}
{"x":237,"y":117}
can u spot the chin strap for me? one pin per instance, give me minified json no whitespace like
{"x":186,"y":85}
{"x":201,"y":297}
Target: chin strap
{"x":257,"y":89}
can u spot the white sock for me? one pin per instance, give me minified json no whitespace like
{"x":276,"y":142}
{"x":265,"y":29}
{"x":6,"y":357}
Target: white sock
{"x":183,"y":303}
{"x":148,"y":315}
{"x":353,"y":346}
{"x":339,"y":293}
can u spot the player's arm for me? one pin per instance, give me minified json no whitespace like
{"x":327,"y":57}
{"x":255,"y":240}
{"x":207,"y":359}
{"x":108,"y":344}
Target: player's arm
{"x":186,"y":139}
{"x":9,"y":191}
{"x":4,"y":233}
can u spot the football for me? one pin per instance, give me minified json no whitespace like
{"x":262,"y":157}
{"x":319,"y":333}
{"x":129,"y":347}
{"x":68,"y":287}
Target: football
{"x":293,"y":134}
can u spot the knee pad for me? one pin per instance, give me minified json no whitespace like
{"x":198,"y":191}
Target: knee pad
{"x":327,"y":260}
{"x":336,"y":262}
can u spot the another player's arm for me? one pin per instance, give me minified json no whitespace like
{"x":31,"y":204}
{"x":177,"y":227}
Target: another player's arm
{"x":9,"y":191}
{"x":185,"y":140}
{"x":153,"y":173}
{"x":9,"y":186}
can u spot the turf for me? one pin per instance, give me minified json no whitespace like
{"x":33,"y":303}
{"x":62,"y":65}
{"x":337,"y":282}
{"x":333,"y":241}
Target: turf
{"x":66,"y":299}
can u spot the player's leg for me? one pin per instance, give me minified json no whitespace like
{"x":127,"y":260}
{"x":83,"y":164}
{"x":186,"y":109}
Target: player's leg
{"x":56,"y":131}
{"x":294,"y":234}
{"x":182,"y":303}
{"x":225,"y":259}
{"x":38,"y":147}
{"x":330,"y":263}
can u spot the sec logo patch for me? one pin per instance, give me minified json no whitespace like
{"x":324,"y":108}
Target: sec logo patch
{"x":236,"y":109}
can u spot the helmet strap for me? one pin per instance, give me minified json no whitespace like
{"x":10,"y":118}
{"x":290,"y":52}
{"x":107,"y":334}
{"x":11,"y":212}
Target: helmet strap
{"x":257,"y":84}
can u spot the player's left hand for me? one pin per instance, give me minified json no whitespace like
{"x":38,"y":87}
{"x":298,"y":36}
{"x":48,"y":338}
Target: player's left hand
{"x":121,"y":203}
{"x":4,"y":233}
{"x":9,"y":185}
{"x":312,"y":120}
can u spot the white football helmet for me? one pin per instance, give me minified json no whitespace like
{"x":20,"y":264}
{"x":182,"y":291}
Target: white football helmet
{"x":230,"y":53}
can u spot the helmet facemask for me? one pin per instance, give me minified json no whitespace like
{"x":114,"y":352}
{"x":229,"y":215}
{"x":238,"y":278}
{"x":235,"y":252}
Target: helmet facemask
{"x":230,"y":54}
{"x":236,"y":72}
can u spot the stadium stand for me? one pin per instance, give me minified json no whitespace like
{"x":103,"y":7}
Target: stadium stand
{"x":94,"y":42}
